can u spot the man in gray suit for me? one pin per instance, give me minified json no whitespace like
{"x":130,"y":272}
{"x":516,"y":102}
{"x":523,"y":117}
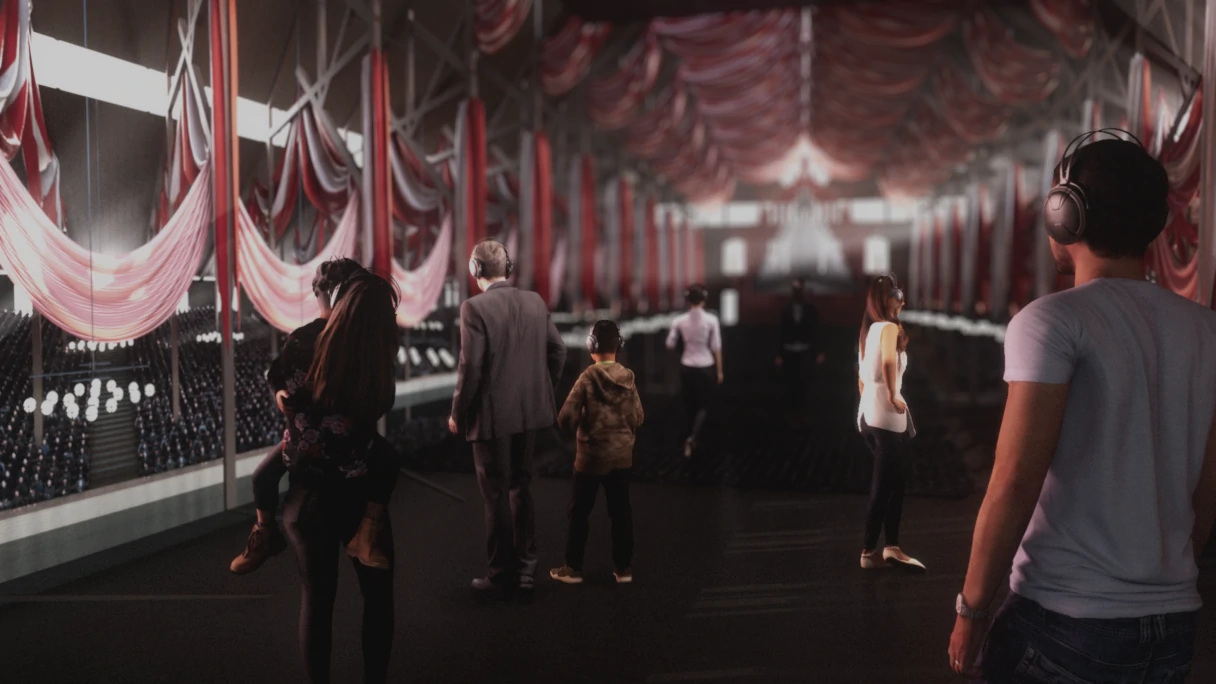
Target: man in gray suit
{"x":511,"y":358}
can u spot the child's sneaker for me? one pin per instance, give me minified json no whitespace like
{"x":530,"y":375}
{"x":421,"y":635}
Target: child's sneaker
{"x":566,"y":575}
{"x":623,"y":576}
{"x":263,"y":543}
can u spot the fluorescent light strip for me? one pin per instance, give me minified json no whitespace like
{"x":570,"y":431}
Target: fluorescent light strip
{"x":88,"y":73}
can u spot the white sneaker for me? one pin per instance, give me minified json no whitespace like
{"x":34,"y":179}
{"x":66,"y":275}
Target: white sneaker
{"x":899,"y":559}
{"x":872,"y":561}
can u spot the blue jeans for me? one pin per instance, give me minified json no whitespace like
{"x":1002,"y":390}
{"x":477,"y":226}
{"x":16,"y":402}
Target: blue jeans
{"x":1029,"y":644}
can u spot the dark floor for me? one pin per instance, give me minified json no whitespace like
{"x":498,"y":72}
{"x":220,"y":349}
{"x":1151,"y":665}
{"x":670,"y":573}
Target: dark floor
{"x":732,"y":586}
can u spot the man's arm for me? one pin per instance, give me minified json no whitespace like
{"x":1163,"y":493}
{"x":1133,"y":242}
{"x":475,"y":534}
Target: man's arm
{"x":1030,"y":430}
{"x":1204,"y":499}
{"x":472,"y":357}
{"x":556,"y":352}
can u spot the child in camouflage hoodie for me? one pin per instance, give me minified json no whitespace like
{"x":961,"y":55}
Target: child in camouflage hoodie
{"x":605,"y":407}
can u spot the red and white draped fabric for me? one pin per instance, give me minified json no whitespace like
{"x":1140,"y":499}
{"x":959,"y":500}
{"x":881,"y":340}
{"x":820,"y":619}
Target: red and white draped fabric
{"x":310,"y":160}
{"x":675,"y":250}
{"x":1045,"y":280}
{"x":282,"y":292}
{"x":608,"y":268}
{"x":422,"y":287}
{"x":1001,"y":247}
{"x":565,"y":58}
{"x":1173,"y":259}
{"x":587,"y":220}
{"x":969,"y":253}
{"x":915,"y":277}
{"x":948,"y":220}
{"x":541,"y":198}
{"x":189,"y":152}
{"x":652,"y":255}
{"x":675,"y":144}
{"x":93,"y":296}
{"x":471,"y":153}
{"x":663,"y":235}
{"x":699,"y":259}
{"x":985,"y":258}
{"x":22,"y":127}
{"x":745,"y":72}
{"x":690,"y":254}
{"x":616,"y":99}
{"x":1026,"y":217}
{"x":937,"y":265}
{"x":496,"y":22}
{"x":1013,"y":72}
{"x":96,"y":296}
{"x":377,"y":165}
{"x":1070,"y":21}
{"x":626,"y":249}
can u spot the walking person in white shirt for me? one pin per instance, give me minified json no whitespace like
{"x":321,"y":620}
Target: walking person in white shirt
{"x":1104,"y":482}
{"x":882,"y":417}
{"x":701,"y":361}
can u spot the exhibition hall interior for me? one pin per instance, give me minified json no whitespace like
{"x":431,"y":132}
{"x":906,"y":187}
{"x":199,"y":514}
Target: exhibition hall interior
{"x":627,"y":245}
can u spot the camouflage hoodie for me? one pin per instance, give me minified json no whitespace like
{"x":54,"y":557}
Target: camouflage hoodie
{"x":605,"y":407}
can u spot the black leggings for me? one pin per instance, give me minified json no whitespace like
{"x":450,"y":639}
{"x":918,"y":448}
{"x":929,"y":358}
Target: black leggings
{"x":382,"y":468}
{"x":319,"y":519}
{"x":887,"y":487}
{"x":696,"y":386}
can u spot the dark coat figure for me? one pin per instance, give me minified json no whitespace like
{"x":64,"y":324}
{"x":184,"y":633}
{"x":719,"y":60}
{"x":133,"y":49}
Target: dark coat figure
{"x":799,"y":344}
{"x":511,"y":359}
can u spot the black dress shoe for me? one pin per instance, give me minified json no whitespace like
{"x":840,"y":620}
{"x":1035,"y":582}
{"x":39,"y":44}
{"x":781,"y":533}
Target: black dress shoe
{"x":484,"y":586}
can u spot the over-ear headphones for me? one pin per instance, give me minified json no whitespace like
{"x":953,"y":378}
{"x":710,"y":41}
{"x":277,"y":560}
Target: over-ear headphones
{"x":614,"y":335}
{"x":1066,"y":208}
{"x":896,"y":292}
{"x":477,"y":268}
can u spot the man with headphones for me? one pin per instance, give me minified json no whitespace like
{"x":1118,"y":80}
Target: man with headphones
{"x":511,"y":359}
{"x":1103,"y":491}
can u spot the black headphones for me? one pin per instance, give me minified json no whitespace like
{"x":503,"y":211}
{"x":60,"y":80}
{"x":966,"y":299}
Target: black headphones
{"x":696,"y":294}
{"x":477,"y":268}
{"x":896,"y":292}
{"x":1066,"y":206}
{"x":593,"y":342}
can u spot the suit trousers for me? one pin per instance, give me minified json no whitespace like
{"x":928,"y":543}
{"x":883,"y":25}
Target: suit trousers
{"x":504,"y":474}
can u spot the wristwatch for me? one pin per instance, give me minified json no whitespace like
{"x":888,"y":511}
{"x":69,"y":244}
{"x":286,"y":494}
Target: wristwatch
{"x":961,"y":607}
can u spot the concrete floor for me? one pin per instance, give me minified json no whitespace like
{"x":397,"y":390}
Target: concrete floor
{"x":731,"y":586}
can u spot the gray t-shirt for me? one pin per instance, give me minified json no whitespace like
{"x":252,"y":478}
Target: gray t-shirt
{"x":1111,"y":534}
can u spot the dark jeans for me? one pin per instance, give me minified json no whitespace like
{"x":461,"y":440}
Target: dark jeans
{"x":320,"y":518}
{"x":696,"y":387}
{"x":1029,"y":644}
{"x":504,"y":473}
{"x":582,"y":499}
{"x":382,"y":471}
{"x":890,"y":451}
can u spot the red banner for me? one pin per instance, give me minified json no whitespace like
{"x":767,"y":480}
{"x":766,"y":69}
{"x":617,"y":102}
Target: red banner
{"x":542,"y":216}
{"x":626,"y":198}
{"x":588,"y":227}
{"x":652,"y":257}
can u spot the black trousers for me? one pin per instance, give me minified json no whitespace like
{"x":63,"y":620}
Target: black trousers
{"x":890,"y":451}
{"x":696,"y":387}
{"x":584,"y":487}
{"x":320,"y":518}
{"x":382,"y":471}
{"x":504,"y":474}
{"x":794,"y":376}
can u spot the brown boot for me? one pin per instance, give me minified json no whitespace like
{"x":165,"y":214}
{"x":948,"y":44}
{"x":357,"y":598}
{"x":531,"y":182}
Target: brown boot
{"x":263,"y":543}
{"x":365,"y":546}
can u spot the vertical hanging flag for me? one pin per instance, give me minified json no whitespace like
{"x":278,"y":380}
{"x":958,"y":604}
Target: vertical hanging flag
{"x":625,"y":197}
{"x":587,"y":224}
{"x":652,"y":257}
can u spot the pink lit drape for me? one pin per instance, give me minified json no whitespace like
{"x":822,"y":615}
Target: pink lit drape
{"x":498,"y":21}
{"x":587,"y":221}
{"x":1173,"y":258}
{"x":96,"y":296}
{"x":566,"y":57}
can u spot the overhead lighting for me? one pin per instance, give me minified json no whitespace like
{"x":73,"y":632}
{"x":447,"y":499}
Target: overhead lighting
{"x":78,"y":70}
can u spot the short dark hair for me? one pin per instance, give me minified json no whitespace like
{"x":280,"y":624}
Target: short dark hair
{"x":696,"y":294}
{"x":1126,"y":190}
{"x":607,"y":337}
{"x":493,"y":257}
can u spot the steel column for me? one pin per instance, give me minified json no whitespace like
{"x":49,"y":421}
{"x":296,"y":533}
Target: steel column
{"x":1207,"y":208}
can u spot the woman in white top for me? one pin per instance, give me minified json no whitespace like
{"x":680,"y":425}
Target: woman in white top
{"x":883,"y":420}
{"x":701,"y":361}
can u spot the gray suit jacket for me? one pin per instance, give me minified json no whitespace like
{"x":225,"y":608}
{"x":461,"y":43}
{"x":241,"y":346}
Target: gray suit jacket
{"x":511,"y":359}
